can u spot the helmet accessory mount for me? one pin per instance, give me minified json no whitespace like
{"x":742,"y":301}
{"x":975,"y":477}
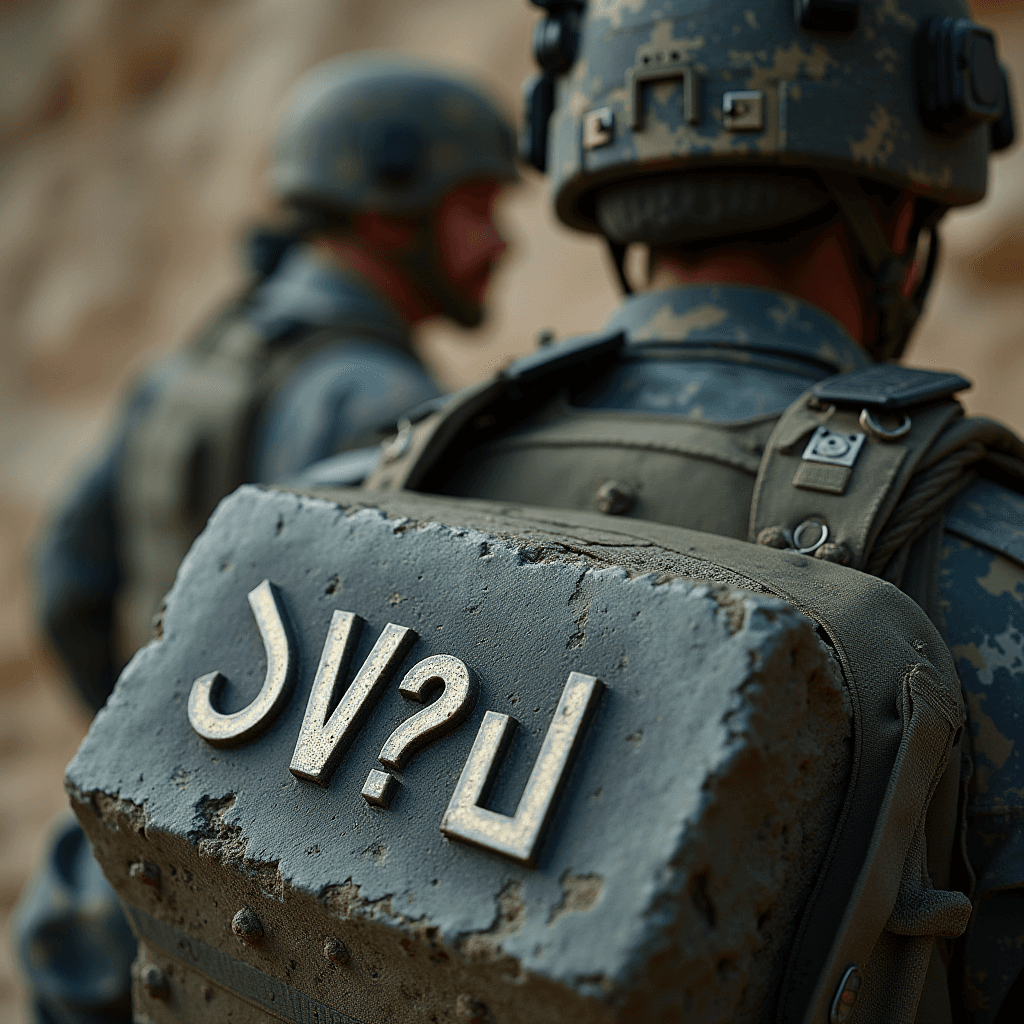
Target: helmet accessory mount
{"x":643,"y":97}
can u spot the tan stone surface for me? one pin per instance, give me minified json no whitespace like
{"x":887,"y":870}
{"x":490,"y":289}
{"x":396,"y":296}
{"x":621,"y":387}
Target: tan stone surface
{"x":132,"y":143}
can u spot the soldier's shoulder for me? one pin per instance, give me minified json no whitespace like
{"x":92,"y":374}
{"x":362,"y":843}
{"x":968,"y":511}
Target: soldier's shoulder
{"x":982,"y":591}
{"x":990,"y":515}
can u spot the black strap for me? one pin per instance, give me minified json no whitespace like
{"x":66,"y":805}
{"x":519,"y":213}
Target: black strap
{"x":617,"y":250}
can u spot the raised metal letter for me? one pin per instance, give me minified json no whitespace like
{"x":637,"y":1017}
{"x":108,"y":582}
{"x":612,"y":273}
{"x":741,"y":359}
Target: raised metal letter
{"x":242,"y":726}
{"x":321,"y":740}
{"x":519,"y":836}
{"x":431,"y":723}
{"x":440,"y":717}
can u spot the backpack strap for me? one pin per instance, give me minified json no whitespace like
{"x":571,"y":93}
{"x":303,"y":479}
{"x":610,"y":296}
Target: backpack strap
{"x":475,"y":414}
{"x":876,"y":456}
{"x":842,"y":455}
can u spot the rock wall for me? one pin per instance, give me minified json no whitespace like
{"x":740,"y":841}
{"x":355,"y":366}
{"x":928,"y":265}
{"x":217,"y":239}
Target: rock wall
{"x":133,"y":138}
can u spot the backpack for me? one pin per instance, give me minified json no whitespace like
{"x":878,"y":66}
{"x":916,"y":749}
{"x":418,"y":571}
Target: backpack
{"x":194,"y":444}
{"x":859,"y":471}
{"x":713,"y":809}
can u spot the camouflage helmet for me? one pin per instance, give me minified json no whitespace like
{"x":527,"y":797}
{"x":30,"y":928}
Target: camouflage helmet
{"x":384,"y":133}
{"x":906,"y":93}
{"x":683,"y":122}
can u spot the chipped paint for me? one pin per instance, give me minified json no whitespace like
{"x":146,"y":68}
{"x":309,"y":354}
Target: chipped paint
{"x":668,"y":325}
{"x":509,"y":918}
{"x":879,"y":141}
{"x":579,"y":894}
{"x":751,"y":19}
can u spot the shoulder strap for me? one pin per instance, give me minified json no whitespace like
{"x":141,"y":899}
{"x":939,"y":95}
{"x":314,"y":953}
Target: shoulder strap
{"x":873,"y":456}
{"x":881,"y":487}
{"x":991,"y":515}
{"x":477,"y":413}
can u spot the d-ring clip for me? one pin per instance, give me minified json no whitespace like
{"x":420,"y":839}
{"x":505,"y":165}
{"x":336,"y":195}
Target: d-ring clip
{"x":817,"y":544}
{"x":875,"y":429}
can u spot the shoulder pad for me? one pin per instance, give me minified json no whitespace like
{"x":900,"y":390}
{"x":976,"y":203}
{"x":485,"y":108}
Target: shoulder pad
{"x":989,"y":514}
{"x":558,"y":357}
{"x":889,"y":386}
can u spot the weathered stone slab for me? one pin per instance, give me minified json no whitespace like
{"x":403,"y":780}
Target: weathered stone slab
{"x":687,"y":826}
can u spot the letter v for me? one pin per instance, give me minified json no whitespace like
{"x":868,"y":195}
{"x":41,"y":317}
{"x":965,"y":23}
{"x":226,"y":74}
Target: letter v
{"x":323,"y":740}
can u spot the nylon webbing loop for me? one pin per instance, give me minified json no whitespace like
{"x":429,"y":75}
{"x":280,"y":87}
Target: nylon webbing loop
{"x":890,"y":893}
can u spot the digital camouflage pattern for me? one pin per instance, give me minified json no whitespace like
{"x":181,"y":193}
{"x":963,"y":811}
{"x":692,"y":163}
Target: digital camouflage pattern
{"x":845,"y":101}
{"x":728,"y":360}
{"x":982,"y":587}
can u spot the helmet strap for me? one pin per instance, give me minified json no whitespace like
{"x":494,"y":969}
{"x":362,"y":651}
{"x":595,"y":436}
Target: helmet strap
{"x":895,"y":313}
{"x":617,"y":251}
{"x":422,"y":263}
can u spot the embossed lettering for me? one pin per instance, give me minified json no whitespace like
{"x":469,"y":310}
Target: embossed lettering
{"x":323,"y":740}
{"x":427,"y":725}
{"x":520,"y":835}
{"x":242,"y":726}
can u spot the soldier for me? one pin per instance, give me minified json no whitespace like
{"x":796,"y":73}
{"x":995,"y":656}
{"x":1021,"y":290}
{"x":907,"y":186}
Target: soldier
{"x":387,"y":172}
{"x":787,"y":166}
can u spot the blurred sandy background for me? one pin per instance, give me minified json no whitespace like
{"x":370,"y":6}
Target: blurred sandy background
{"x":133,"y":139}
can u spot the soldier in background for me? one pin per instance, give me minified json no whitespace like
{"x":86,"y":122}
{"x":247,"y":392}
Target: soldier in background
{"x":387,"y":172}
{"x":787,"y":165}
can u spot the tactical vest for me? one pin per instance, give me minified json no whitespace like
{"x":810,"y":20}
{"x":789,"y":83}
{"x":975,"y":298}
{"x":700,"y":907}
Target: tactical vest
{"x":857,"y":471}
{"x":195,"y":443}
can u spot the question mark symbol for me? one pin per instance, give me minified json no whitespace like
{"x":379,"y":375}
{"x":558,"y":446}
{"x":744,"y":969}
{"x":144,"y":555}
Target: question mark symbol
{"x":447,"y":712}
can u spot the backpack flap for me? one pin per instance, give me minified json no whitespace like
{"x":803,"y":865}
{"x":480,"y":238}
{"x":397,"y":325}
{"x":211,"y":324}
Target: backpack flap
{"x":289,"y":825}
{"x":710,"y":799}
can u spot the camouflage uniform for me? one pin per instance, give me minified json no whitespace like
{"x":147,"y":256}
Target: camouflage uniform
{"x":730,"y":359}
{"x":308,"y":362}
{"x":673,"y":427}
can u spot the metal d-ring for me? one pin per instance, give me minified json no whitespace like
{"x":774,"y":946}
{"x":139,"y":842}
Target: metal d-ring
{"x":871,"y":426}
{"x":817,"y":544}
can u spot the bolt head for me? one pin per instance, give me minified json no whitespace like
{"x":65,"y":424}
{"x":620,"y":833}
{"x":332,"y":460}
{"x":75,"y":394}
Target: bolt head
{"x":154,"y":982}
{"x":614,"y":498}
{"x":336,"y":951}
{"x":145,"y":872}
{"x":247,"y":927}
